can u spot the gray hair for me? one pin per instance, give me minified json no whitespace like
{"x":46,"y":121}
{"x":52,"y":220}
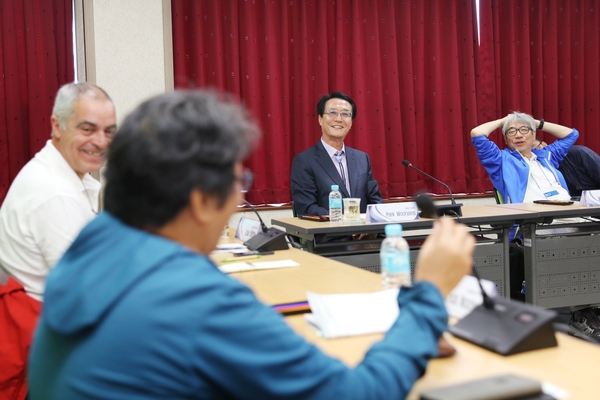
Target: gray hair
{"x":518,"y":116}
{"x":169,"y":146}
{"x":67,"y":95}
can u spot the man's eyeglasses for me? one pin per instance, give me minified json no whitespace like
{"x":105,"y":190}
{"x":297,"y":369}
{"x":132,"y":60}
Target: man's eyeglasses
{"x":246,"y":179}
{"x":343,"y":114}
{"x":513,"y":131}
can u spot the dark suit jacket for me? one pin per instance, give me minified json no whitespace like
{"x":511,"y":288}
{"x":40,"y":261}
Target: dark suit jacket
{"x":313,"y":173}
{"x":581,"y":169}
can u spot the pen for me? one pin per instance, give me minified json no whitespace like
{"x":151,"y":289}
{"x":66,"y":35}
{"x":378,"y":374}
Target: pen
{"x":241,"y":258}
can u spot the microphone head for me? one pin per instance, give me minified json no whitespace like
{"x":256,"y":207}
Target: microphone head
{"x":425,"y":204}
{"x":406,"y":163}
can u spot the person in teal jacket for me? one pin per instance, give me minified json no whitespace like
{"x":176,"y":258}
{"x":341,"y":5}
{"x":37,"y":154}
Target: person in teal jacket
{"x":520,"y":172}
{"x":136,"y":310}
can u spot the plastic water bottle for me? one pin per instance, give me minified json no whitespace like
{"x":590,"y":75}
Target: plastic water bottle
{"x":395,"y":258}
{"x":335,"y":204}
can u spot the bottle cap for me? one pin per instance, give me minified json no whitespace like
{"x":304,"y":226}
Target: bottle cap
{"x":393,"y":230}
{"x":335,"y":187}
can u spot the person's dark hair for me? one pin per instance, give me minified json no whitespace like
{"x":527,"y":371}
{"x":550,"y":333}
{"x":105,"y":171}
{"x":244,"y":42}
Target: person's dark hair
{"x":170,"y":145}
{"x":335,"y":95}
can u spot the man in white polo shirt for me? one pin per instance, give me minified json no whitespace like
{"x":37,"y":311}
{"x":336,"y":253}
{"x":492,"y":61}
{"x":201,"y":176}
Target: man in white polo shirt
{"x":52,"y":198}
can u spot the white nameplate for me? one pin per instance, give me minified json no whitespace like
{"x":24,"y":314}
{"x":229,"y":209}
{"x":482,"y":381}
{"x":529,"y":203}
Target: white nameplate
{"x":392,"y":212}
{"x":590,"y":198}
{"x":467,"y":295}
{"x":247,"y":228}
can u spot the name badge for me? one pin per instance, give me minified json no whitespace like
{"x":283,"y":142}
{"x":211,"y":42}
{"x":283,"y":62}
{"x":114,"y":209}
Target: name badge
{"x":550,"y":194}
{"x":392,"y":212}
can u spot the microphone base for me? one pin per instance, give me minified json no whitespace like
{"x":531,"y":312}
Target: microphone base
{"x":272,"y":239}
{"x":451,"y":210}
{"x":510,"y":327}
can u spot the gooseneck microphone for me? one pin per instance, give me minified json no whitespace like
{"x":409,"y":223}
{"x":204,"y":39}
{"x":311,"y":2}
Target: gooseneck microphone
{"x":444,"y":209}
{"x":268,"y":239}
{"x":502,"y":325}
{"x":488,"y":302}
{"x":407,"y":164}
{"x":262,"y":223}
{"x":425,"y":204}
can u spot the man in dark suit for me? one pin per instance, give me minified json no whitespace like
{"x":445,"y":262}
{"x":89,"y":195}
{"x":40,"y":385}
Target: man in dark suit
{"x":329,"y":162}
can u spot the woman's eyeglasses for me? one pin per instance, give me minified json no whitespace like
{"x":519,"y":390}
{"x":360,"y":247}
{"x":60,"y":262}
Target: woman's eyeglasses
{"x":246,"y":179}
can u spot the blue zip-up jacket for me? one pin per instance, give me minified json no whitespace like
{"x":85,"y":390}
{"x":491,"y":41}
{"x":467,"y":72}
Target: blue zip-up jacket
{"x":509,"y":171}
{"x":131,"y":315}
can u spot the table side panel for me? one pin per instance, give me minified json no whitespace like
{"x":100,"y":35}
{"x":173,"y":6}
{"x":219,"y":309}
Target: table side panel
{"x":568,"y":271}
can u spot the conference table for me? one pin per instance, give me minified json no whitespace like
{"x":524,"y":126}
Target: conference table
{"x":562,"y":262}
{"x":570,"y":366}
{"x":491,"y":256}
{"x":315,"y":233}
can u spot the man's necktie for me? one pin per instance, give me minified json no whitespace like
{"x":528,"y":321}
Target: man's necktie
{"x":339,"y":155}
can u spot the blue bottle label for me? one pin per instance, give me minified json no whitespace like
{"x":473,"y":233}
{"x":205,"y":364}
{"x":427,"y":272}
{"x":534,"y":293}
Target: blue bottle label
{"x":335,"y":203}
{"x":395,"y":263}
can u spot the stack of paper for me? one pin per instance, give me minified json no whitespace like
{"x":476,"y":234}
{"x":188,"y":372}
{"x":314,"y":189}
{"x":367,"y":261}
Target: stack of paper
{"x":338,"y":315}
{"x":246,"y":266}
{"x":230,"y":248}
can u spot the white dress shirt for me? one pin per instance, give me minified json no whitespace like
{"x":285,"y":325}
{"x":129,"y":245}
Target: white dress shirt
{"x":45,"y":208}
{"x":331,"y":151}
{"x":543,"y":185}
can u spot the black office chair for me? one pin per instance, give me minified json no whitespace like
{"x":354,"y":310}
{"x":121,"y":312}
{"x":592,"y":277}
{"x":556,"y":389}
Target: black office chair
{"x":294,"y":241}
{"x":498,"y":197}
{"x":517,"y":259}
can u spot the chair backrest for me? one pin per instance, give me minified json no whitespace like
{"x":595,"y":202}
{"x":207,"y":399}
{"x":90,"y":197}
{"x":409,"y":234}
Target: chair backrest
{"x":293,"y":240}
{"x":498,"y":197}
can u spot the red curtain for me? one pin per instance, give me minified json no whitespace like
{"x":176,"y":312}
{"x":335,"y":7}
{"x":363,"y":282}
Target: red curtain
{"x":36,"y":58}
{"x":542,"y":58}
{"x":409,"y":66}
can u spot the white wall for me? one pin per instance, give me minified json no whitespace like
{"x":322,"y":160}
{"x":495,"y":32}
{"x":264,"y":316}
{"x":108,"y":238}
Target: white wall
{"x":128,"y":49}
